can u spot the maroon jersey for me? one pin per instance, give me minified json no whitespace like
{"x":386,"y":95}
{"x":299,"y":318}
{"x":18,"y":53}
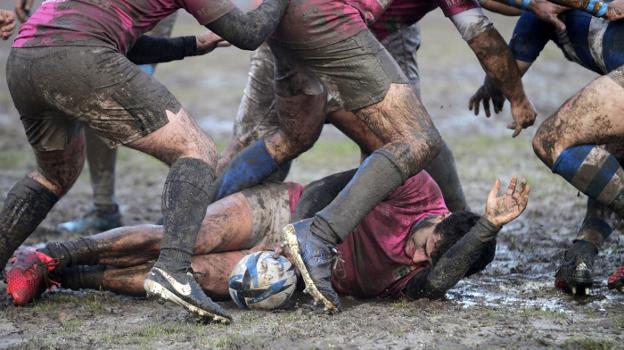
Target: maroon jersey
{"x":317,"y":23}
{"x":404,"y":13}
{"x":373,"y":261}
{"x":111,"y":23}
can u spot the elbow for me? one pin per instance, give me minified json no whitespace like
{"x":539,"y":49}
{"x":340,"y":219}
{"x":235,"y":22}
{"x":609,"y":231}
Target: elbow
{"x":248,"y":43}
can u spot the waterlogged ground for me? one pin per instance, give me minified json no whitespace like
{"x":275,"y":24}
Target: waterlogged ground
{"x":511,"y":305}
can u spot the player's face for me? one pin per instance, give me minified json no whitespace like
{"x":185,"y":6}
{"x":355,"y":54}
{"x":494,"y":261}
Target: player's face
{"x":423,"y":240}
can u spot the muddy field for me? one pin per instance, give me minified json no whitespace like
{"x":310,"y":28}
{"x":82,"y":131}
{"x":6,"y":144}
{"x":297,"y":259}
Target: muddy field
{"x":511,"y":305}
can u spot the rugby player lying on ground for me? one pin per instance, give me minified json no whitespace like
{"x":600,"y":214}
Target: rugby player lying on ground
{"x":595,"y":44}
{"x":409,"y":244}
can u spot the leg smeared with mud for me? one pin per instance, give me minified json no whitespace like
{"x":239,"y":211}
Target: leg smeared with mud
{"x":569,"y":141}
{"x":413,"y":142}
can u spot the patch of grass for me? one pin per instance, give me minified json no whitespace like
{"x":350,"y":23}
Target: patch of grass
{"x":542,"y":313}
{"x":587,"y":344}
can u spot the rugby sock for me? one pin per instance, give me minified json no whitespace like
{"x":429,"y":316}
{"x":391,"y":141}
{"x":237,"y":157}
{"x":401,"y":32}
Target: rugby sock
{"x":594,"y":231}
{"x":25,"y":206}
{"x":188,"y":191}
{"x":595,"y":172}
{"x":250,"y":167}
{"x":442,"y":170}
{"x":375,"y":179}
{"x":101,"y":160}
{"x":81,"y":251}
{"x":81,"y":276}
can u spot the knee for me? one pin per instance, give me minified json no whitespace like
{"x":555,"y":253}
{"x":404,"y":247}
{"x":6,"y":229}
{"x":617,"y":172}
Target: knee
{"x":543,"y":145}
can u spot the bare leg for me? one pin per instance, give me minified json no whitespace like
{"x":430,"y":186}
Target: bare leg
{"x":227,"y":226}
{"x":568,"y":141}
{"x":30,"y":200}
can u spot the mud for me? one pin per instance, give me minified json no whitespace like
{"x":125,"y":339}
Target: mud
{"x":511,"y":305}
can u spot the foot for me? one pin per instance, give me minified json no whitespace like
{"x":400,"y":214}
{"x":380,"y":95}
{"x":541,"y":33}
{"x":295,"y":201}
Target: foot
{"x":28,"y":277}
{"x":314,"y":258}
{"x":616,"y":280}
{"x":93,"y":221}
{"x":182,"y":289}
{"x":576,"y":273}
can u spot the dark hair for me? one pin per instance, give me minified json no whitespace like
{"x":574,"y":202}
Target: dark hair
{"x":452,"y":229}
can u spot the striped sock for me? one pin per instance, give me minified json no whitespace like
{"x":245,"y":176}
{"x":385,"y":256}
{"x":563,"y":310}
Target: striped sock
{"x":593,"y":171}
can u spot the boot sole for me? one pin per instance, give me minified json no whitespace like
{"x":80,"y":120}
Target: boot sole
{"x":154,"y":289}
{"x":291,"y":241}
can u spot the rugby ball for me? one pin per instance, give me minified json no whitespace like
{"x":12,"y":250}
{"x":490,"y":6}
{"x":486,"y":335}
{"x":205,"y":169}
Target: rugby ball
{"x":262,"y":281}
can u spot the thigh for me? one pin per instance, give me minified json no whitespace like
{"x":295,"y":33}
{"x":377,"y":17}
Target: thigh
{"x":257,"y":115}
{"x":592,"y":116}
{"x":271,"y":210}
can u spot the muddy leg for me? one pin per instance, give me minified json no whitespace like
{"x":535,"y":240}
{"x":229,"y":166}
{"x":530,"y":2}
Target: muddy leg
{"x":568,"y":142}
{"x":30,"y":199}
{"x":410,"y":143}
{"x":300,"y":106}
{"x":105,"y":213}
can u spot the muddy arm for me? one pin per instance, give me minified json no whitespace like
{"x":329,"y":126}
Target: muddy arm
{"x":501,"y":7}
{"x":151,"y":50}
{"x":433,"y":283}
{"x":249,"y":30}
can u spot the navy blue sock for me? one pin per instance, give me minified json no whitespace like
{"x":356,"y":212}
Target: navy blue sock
{"x":593,"y":171}
{"x":250,"y":167}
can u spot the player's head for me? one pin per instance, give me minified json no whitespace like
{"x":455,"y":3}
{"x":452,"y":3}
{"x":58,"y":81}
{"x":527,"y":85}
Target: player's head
{"x":434,"y":235}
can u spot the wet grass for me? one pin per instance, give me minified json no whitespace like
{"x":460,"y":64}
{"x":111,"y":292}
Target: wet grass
{"x":588,"y":344}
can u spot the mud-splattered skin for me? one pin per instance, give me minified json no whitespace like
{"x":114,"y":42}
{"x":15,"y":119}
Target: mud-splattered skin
{"x":592,"y":116}
{"x":497,"y":61}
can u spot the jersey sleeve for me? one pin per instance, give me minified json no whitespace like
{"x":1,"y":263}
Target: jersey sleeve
{"x":206,"y":11}
{"x":530,"y":36}
{"x":453,"y":7}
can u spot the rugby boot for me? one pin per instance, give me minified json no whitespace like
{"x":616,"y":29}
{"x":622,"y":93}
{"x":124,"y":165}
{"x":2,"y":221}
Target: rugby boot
{"x":93,"y":221}
{"x":314,"y":257}
{"x":575,"y":275}
{"x":29,"y":275}
{"x":616,"y":279}
{"x":181,"y":288}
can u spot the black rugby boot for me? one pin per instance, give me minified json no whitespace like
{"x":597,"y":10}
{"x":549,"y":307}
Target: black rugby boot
{"x":182,"y":289}
{"x":314,"y":257}
{"x":576,"y":272}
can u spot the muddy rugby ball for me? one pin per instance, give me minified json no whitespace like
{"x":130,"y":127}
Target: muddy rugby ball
{"x":261,"y":281}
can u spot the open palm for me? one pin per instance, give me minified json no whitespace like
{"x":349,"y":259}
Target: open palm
{"x":501,"y":209}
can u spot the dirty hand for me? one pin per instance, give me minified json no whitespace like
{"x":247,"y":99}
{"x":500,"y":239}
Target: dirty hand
{"x":501,"y":209}
{"x":22,"y":8}
{"x":523,"y":114}
{"x":209,"y":41}
{"x":549,"y":12}
{"x":615,"y":11}
{"x":7,"y":24}
{"x":488,"y":91}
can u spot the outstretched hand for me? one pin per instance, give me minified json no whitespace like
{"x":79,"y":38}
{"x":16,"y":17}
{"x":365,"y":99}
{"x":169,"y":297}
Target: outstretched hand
{"x":488,"y":91}
{"x":209,"y":41}
{"x":501,"y":209}
{"x":7,"y":24}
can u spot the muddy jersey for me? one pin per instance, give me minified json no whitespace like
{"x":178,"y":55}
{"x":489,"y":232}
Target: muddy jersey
{"x":111,"y":23}
{"x":403,"y":13}
{"x":592,"y":42}
{"x":372,"y":259}
{"x":317,"y":23}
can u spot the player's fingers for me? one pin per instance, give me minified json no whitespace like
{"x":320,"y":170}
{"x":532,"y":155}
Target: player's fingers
{"x":495,"y":189}
{"x":511,"y":188}
{"x":224,"y":44}
{"x":517,"y":130}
